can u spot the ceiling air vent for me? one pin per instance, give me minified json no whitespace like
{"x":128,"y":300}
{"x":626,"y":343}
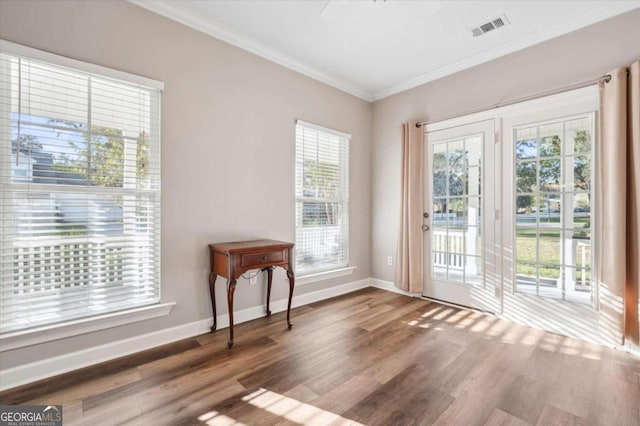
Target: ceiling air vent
{"x":498,"y":22}
{"x":493,"y":24}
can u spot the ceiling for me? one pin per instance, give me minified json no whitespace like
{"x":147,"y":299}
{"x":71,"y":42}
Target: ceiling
{"x":373,"y":49}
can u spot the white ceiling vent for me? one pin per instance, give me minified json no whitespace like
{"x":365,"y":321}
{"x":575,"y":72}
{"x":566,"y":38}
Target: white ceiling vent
{"x":493,"y":24}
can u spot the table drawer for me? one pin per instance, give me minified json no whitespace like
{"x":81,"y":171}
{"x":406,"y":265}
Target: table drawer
{"x":257,"y":259}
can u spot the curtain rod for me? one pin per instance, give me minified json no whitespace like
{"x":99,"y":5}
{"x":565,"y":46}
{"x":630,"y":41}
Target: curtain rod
{"x":606,"y":78}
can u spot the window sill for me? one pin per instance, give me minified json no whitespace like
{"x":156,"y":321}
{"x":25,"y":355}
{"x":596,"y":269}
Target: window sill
{"x":47,"y":333}
{"x":324,"y":275}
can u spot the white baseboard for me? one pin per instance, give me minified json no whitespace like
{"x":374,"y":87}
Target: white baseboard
{"x":50,"y":367}
{"x":389,"y":286}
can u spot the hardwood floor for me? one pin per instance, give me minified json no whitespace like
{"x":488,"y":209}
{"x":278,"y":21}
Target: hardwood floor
{"x":369,"y":357}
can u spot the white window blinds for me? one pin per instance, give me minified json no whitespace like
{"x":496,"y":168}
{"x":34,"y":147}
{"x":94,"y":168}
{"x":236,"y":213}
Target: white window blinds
{"x":80,"y":180}
{"x":322,"y":199}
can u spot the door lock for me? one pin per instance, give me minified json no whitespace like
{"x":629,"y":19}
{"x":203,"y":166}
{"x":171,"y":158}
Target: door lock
{"x":425,"y":227}
{"x":425,"y":215}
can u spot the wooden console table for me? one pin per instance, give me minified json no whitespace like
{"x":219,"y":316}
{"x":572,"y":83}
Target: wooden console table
{"x":231,"y":260}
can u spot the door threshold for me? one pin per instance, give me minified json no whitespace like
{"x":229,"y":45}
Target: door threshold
{"x":455,"y":305}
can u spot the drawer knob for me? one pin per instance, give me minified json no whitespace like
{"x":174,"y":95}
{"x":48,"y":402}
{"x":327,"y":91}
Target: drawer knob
{"x":264,"y":257}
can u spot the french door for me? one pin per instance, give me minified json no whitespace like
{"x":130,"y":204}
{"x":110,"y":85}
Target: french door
{"x":548,"y":202}
{"x":459,"y":237}
{"x":508,"y":215}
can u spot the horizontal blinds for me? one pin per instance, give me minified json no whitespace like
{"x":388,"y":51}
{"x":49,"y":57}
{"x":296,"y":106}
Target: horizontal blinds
{"x":80,"y":203}
{"x":322,"y":199}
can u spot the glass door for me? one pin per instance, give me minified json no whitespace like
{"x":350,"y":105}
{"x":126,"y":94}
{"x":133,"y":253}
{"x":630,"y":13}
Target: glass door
{"x":458,"y":191}
{"x":548,"y":220}
{"x":509,"y":214}
{"x":553,"y":203}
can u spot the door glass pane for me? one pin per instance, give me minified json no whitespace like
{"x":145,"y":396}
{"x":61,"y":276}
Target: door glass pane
{"x":549,"y":210}
{"x":455,"y":188}
{"x":473,"y":211}
{"x":473,"y":146}
{"x":526,"y":143}
{"x":553,"y":209}
{"x":439,"y":156}
{"x":550,"y":146}
{"x":582,"y":212}
{"x":457,"y":154}
{"x":582,"y":173}
{"x":578,"y":132}
{"x":526,"y":175}
{"x":550,"y":175}
{"x":458,"y":206}
{"x":457,"y":182}
{"x":439,"y":211}
{"x":526,"y":209}
{"x":527,"y":277}
{"x":527,"y":244}
{"x":439,"y":183}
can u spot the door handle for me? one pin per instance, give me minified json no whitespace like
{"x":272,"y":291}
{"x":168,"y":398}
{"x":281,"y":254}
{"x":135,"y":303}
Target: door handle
{"x":425,"y":227}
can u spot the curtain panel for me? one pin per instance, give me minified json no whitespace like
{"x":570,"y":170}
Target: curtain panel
{"x":409,"y":274}
{"x":618,"y":214}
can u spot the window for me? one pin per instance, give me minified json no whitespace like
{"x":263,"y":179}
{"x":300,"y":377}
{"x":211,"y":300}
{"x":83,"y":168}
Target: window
{"x":553,"y":202}
{"x":322,"y":199}
{"x":80,"y":180}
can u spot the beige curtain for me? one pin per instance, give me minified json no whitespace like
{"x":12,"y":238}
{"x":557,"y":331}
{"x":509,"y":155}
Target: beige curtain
{"x":618,"y":221}
{"x":409,"y":256}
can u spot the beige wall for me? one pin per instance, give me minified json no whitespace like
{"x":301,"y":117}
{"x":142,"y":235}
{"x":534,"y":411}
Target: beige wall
{"x":573,"y":58}
{"x":227,"y":146}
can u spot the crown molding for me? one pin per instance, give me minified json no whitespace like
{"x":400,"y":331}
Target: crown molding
{"x":179,"y":14}
{"x":606,"y":11}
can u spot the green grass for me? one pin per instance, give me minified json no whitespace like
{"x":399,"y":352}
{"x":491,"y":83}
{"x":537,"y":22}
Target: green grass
{"x":549,"y":246}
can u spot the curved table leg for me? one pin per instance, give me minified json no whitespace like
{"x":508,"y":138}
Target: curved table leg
{"x":291,"y":284}
{"x":269,"y":280}
{"x":212,"y":290}
{"x":230,"y":290}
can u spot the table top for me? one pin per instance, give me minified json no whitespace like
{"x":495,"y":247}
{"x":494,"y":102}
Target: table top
{"x":249,"y":246}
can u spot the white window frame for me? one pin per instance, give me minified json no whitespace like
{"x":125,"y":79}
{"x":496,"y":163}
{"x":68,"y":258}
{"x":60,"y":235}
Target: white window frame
{"x":323,"y":272}
{"x":49,"y":332}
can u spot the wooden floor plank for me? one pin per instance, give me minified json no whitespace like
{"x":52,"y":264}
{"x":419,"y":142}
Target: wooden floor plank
{"x":552,"y":416}
{"x":342,"y":397}
{"x":46,"y":387}
{"x":367,"y":358}
{"x":500,"y":418}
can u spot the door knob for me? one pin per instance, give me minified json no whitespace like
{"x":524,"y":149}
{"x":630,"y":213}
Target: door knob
{"x":425,"y":227}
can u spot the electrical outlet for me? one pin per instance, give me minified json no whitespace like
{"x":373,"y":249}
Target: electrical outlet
{"x":254,"y":279}
{"x":390,"y":260}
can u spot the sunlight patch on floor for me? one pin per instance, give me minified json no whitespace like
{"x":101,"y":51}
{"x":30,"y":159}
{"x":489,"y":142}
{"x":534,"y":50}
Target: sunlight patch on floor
{"x":443,"y":314}
{"x":213,"y":418}
{"x":294,"y":410}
